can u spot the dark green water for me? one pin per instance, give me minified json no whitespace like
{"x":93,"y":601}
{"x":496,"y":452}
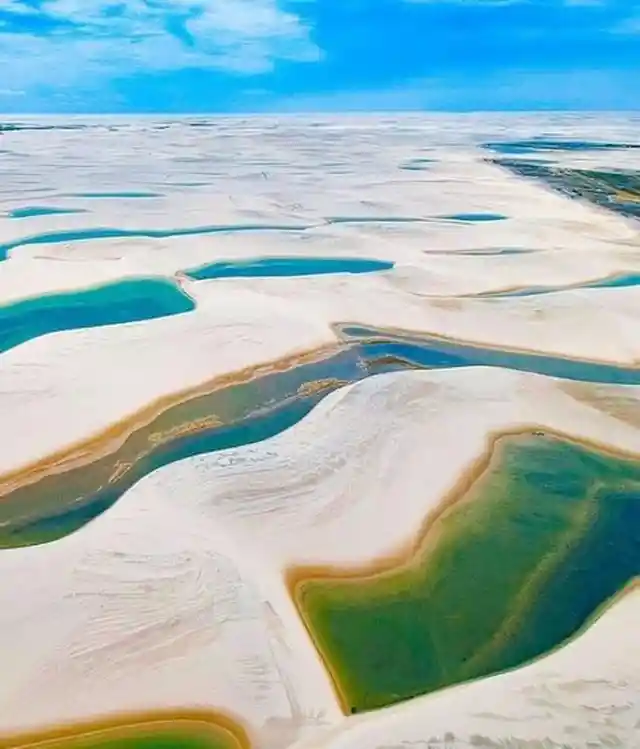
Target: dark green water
{"x":564,"y":516}
{"x":166,"y":732}
{"x":287,"y":266}
{"x":57,"y":505}
{"x":61,"y":503}
{"x":110,"y":304}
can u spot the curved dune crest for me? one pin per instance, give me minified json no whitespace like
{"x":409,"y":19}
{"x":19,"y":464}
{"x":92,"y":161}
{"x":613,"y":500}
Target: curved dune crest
{"x":176,"y":596}
{"x":163,"y":482}
{"x":59,"y":494}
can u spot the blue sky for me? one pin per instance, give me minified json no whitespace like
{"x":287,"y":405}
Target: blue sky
{"x":195,"y":56}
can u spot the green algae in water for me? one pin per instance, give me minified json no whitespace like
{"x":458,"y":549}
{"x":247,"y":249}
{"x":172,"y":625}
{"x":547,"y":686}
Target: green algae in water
{"x":41,"y":505}
{"x":188,"y":731}
{"x":159,"y":738}
{"x":511,"y":570}
{"x":110,"y":304}
{"x":59,"y":503}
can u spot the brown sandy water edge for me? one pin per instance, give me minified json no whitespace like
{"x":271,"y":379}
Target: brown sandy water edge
{"x":54,"y":496}
{"x":413,"y":553}
{"x":166,"y":729}
{"x":109,"y":440}
{"x":392,"y":334}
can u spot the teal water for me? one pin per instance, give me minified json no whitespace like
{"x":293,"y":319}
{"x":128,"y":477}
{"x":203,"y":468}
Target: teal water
{"x":376,"y":220}
{"x":82,"y":235}
{"x":110,"y":304}
{"x":417,"y":165}
{"x":541,"y":145}
{"x":145,"y":299}
{"x":41,"y":210}
{"x":10,"y":127}
{"x":125,"y":194}
{"x":613,"y":282}
{"x":389,"y":352}
{"x":482,"y":251}
{"x":59,"y":504}
{"x":286,"y":266}
{"x":474,"y":217}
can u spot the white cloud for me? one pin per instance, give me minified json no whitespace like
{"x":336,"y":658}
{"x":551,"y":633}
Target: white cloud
{"x":16,"y":6}
{"x":94,"y":41}
{"x":629,"y":26}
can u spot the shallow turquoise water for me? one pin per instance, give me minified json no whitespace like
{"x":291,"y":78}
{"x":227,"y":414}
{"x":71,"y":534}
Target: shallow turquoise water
{"x":287,"y":266}
{"x":615,"y":282}
{"x":474,"y":217}
{"x":110,"y":304}
{"x":376,"y":220}
{"x":145,"y":299}
{"x":130,"y":194}
{"x":483,"y":251}
{"x":417,"y":165}
{"x":41,"y":210}
{"x":541,"y":145}
{"x":82,"y":235}
{"x":389,"y":352}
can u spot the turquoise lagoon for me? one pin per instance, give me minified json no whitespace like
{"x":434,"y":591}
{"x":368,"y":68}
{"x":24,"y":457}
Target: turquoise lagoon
{"x":109,"y":304}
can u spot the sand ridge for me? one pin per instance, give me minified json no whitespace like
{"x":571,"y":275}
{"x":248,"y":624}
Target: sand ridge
{"x":176,"y":596}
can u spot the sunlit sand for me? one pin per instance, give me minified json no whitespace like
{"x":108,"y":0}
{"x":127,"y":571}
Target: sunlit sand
{"x":229,"y":375}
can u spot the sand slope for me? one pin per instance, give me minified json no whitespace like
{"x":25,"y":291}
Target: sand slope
{"x":175,"y":596}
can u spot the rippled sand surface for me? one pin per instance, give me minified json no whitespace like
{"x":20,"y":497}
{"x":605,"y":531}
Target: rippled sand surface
{"x":275,"y":412}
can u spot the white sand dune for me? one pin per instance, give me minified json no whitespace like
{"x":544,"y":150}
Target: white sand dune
{"x":100,"y":375}
{"x":175,"y":596}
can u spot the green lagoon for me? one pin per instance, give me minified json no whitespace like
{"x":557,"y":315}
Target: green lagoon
{"x":187,"y":729}
{"x":517,"y":562}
